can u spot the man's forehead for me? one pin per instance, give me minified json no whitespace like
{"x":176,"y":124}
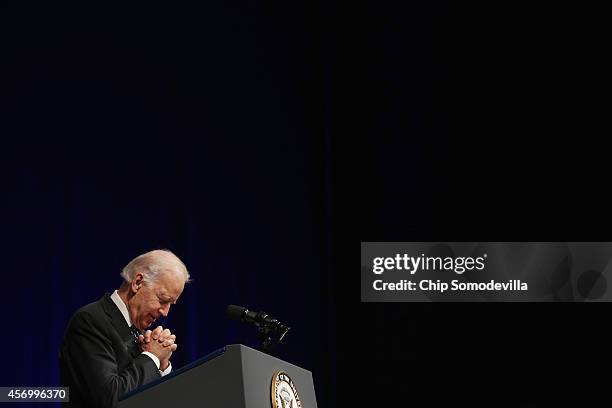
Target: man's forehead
{"x":170,"y":286}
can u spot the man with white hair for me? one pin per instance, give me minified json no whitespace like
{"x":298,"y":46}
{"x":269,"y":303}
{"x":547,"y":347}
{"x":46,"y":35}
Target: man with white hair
{"x":106,"y":351}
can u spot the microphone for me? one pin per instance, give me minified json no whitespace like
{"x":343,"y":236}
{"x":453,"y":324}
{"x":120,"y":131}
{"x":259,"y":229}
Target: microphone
{"x":266,"y":324}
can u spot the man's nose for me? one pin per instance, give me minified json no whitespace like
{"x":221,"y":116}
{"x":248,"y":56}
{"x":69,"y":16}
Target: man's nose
{"x":164,"y":310}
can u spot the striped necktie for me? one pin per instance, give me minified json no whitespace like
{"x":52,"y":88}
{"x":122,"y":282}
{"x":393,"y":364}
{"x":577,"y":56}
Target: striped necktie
{"x":135,"y":333}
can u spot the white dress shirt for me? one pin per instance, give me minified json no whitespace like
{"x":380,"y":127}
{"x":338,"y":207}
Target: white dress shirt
{"x":124,"y":311}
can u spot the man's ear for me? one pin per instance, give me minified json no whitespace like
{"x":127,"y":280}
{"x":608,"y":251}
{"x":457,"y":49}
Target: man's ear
{"x":137,"y":282}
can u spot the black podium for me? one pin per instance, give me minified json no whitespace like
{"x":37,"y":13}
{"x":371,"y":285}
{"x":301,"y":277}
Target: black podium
{"x":235,"y":376}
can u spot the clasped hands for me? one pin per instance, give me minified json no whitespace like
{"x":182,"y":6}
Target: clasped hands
{"x":160,"y":342}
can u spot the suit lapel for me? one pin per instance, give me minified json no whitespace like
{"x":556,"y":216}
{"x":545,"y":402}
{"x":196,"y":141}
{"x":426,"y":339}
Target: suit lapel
{"x":120,"y":325}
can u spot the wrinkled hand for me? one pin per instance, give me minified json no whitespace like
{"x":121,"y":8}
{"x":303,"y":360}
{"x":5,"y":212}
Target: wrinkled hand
{"x":160,"y":342}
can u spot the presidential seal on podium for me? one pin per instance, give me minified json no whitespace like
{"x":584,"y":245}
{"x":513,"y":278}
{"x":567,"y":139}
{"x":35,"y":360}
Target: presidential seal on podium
{"x":283,"y":392}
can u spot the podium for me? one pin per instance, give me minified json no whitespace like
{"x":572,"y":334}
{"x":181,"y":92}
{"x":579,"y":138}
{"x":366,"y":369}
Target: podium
{"x":234,"y":376}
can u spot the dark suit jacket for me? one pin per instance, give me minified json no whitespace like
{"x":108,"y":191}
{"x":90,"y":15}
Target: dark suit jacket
{"x":99,"y":359}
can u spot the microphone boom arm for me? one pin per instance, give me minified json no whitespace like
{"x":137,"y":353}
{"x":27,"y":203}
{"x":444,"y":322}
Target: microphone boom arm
{"x":270,"y":331}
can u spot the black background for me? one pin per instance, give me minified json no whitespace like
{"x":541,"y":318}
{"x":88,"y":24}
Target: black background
{"x":472,"y":122}
{"x":258,"y":131}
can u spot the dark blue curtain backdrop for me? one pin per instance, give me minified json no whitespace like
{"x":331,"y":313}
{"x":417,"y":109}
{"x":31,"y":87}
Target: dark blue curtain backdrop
{"x":201,"y":131}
